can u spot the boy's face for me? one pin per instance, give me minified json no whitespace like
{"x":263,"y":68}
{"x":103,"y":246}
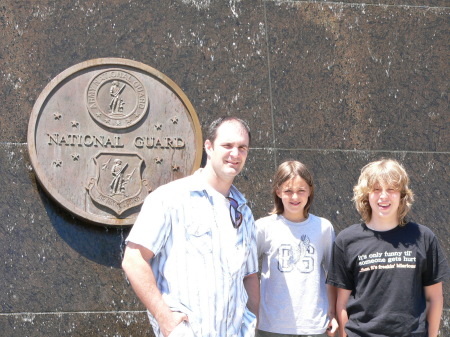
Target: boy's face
{"x":294,"y":195}
{"x":384,"y":202}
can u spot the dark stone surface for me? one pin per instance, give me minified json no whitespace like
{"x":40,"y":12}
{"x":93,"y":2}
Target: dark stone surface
{"x":359,"y":77}
{"x":332,"y":84}
{"x":106,"y":324}
{"x":255,"y":181}
{"x":216,"y":54}
{"x":405,"y":3}
{"x":53,"y":261}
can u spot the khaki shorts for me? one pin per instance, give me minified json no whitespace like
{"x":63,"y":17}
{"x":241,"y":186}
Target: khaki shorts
{"x":182,"y":330}
{"x":260,"y":333}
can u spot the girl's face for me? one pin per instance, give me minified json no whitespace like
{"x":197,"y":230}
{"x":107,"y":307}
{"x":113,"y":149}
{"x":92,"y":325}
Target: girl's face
{"x":384,"y":201}
{"x":294,"y":195}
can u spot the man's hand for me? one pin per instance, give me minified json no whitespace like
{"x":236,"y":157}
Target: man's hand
{"x":142,"y":279}
{"x":169,"y":321}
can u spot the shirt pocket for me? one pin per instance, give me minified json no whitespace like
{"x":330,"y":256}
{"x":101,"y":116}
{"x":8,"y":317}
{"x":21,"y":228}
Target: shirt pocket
{"x":198,"y":225}
{"x":199,"y":239}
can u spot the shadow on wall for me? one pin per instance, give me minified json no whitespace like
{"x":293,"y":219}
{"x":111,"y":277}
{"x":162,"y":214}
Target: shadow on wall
{"x":102,"y":245}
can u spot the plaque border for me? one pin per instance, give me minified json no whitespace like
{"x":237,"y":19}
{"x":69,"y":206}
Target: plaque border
{"x":53,"y":84}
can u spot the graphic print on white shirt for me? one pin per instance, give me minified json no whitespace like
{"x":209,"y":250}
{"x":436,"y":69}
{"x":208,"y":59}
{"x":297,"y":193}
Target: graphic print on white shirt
{"x":298,"y":256}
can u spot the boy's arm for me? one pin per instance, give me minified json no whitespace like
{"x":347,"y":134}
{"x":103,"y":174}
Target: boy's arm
{"x":341,"y":309}
{"x":435,"y":303}
{"x":333,"y":324}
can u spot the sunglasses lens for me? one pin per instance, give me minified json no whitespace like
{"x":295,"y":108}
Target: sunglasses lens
{"x":237,"y":220}
{"x":233,"y":203}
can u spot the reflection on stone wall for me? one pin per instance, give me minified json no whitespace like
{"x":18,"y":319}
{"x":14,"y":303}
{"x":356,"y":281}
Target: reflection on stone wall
{"x":334,"y":85}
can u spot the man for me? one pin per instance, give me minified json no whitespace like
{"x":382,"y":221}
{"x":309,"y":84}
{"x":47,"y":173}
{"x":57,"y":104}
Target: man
{"x":199,"y":237}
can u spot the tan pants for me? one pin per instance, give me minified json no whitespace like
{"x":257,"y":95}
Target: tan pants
{"x":182,"y":330}
{"x":260,"y":333}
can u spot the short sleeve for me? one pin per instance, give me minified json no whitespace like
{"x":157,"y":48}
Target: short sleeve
{"x":152,"y":225}
{"x":339,"y":274}
{"x":437,"y":269}
{"x":260,"y":237}
{"x":328,"y":244}
{"x":252,"y":260}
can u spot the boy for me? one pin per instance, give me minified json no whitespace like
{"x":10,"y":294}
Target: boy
{"x":388,"y":271}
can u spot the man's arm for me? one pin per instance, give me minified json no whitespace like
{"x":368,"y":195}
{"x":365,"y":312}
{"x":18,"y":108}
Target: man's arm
{"x":140,"y":274}
{"x":332,"y":297}
{"x":435,"y":303}
{"x":251,"y":285}
{"x":341,"y":309}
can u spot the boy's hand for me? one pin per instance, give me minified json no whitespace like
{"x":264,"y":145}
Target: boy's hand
{"x":332,"y":327}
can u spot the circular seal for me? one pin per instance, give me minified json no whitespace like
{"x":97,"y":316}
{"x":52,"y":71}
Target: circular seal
{"x":105,"y":133}
{"x":116,"y":98}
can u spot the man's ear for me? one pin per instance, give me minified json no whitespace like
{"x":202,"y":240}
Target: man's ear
{"x":208,"y":147}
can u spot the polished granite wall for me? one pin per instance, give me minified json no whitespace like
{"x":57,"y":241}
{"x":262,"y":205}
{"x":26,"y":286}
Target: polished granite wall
{"x":333,"y":84}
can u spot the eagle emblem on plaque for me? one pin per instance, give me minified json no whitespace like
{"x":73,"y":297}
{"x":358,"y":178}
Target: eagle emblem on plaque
{"x":118,"y":184}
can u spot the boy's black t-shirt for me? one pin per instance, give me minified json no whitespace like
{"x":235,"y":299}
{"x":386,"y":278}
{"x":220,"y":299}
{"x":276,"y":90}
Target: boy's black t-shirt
{"x":386,"y":272}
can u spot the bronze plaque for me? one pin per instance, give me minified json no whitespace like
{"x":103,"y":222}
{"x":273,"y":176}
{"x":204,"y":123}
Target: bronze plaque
{"x":106,"y":132}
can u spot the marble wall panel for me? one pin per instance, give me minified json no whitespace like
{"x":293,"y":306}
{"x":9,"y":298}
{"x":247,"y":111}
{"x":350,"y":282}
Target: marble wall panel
{"x":216,"y":53}
{"x":359,"y":77}
{"x":106,"y":324}
{"x":255,"y":181}
{"x":336,"y":172}
{"x":53,"y":261}
{"x":409,"y":3}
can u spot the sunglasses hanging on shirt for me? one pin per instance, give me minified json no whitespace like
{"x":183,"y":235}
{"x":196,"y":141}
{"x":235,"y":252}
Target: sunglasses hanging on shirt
{"x":235,"y":215}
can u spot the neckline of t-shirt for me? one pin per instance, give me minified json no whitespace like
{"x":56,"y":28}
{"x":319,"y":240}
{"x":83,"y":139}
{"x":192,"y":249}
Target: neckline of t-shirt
{"x":292,"y":223}
{"x":375,"y":231}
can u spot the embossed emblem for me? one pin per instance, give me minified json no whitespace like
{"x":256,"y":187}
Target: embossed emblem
{"x":116,"y":98}
{"x":107,"y":132}
{"x":118,"y":184}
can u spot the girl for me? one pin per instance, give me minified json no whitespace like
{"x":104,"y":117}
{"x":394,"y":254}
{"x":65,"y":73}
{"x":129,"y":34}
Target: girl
{"x":295,"y":247}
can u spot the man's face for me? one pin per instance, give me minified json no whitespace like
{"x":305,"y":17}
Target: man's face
{"x":229,"y":151}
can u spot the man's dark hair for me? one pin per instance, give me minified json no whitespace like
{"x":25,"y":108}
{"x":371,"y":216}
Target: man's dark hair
{"x":211,"y":133}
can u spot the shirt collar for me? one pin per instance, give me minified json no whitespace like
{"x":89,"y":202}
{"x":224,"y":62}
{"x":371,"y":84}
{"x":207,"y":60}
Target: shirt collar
{"x":198,"y":184}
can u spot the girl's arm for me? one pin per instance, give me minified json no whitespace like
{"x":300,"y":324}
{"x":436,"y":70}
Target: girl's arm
{"x":333,"y":324}
{"x":251,"y":285}
{"x":435,"y":303}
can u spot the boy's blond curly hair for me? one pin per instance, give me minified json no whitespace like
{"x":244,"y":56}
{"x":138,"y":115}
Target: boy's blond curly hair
{"x":385,"y":172}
